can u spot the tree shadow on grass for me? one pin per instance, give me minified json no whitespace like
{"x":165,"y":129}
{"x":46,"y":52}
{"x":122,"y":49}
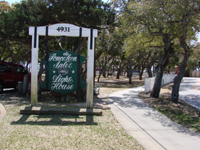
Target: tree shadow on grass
{"x":11,"y":97}
{"x":55,"y":120}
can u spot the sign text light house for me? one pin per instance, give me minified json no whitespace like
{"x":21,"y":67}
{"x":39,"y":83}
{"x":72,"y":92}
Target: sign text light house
{"x":62,"y":29}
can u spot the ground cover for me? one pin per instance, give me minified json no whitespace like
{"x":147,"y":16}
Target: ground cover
{"x":61,"y":131}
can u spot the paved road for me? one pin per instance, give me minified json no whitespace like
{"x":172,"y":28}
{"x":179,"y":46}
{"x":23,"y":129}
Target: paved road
{"x":190,"y":91}
{"x":150,"y":128}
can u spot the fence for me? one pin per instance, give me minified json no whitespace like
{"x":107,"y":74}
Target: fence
{"x":195,"y":73}
{"x":149,"y":82}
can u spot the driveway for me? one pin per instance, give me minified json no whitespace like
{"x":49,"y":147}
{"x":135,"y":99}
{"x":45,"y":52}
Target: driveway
{"x":190,"y":91}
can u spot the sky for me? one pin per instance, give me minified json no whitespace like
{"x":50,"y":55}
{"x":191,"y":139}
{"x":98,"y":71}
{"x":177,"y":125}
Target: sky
{"x":13,"y":1}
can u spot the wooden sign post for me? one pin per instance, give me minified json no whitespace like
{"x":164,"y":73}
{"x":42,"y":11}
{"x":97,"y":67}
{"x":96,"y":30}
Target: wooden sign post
{"x":62,"y":29}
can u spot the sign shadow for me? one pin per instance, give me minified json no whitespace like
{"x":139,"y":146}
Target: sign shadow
{"x":55,"y":120}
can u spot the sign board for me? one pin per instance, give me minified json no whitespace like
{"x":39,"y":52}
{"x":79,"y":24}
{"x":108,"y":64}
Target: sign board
{"x":63,"y":29}
{"x":63,"y":72}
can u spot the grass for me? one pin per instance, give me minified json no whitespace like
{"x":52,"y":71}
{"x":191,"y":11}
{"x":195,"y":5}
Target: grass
{"x":61,"y":131}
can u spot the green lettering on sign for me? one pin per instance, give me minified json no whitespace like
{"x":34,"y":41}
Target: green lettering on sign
{"x":63,"y":72}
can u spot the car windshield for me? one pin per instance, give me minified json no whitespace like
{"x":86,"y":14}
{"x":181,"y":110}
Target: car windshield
{"x":19,"y":69}
{"x":5,"y":68}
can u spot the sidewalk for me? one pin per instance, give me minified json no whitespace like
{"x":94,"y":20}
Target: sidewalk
{"x":150,"y":128}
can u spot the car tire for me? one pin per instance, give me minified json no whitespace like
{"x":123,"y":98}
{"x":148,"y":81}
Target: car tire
{"x":1,"y":87}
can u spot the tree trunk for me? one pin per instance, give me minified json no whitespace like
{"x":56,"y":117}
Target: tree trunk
{"x":157,"y":84}
{"x":130,"y":72}
{"x":149,"y":71}
{"x":104,"y":71}
{"x":160,"y":68}
{"x":178,"y":78}
{"x":130,"y":76}
{"x":119,"y":71}
{"x":100,"y":72}
{"x":109,"y":69}
{"x":141,"y":73}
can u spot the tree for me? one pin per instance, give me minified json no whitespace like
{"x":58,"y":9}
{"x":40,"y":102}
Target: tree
{"x":15,"y":23}
{"x":188,"y":15}
{"x":194,"y":60}
{"x":160,"y":18}
{"x":108,"y":46}
{"x":144,"y":48}
{"x":4,"y":6}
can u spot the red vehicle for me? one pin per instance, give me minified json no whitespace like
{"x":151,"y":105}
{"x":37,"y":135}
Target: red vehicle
{"x":10,"y":74}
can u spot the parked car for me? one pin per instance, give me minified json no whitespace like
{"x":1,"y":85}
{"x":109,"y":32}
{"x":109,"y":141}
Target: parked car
{"x":10,"y":74}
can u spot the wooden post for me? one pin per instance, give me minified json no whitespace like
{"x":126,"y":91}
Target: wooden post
{"x":34,"y":68}
{"x":90,"y":70}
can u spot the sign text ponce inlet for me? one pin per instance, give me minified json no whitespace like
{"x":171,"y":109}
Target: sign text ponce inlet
{"x":67,"y":58}
{"x":63,"y":71}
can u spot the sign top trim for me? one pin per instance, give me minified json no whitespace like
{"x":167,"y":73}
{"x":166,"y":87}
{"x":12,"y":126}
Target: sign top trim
{"x":62,"y":29}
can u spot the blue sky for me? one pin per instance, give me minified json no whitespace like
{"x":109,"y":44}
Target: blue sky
{"x":12,"y":1}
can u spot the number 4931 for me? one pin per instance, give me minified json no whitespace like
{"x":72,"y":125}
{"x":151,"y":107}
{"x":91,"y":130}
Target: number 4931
{"x":63,"y":29}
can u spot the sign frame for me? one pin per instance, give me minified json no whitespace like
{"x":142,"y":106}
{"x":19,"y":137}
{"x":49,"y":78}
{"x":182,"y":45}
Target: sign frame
{"x":62,"y":29}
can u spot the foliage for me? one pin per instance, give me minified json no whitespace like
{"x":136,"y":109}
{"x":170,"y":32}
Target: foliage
{"x":160,"y":19}
{"x":4,"y":6}
{"x":108,"y":48}
{"x":194,"y":60}
{"x":15,"y":23}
